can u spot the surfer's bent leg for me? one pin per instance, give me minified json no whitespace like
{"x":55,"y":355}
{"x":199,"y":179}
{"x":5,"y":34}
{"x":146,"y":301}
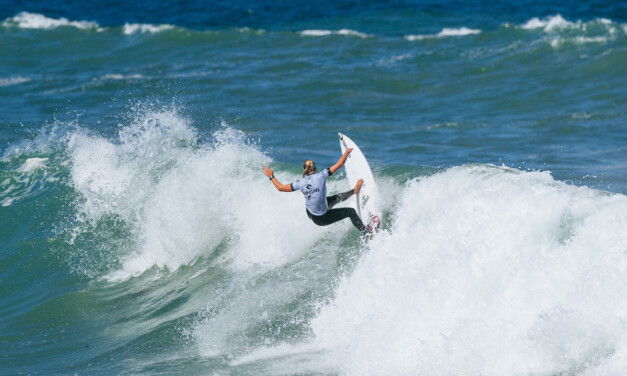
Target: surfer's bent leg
{"x":336,"y":199}
{"x":334,"y":215}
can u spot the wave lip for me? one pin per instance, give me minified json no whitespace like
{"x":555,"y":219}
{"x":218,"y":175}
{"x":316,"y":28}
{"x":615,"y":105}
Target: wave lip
{"x":548,"y":24}
{"x":446,"y":32}
{"x":26,"y":20}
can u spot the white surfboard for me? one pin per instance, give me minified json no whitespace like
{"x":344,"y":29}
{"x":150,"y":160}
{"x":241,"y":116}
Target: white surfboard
{"x":357,"y":168}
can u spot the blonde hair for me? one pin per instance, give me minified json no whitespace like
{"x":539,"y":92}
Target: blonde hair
{"x":309,"y":167}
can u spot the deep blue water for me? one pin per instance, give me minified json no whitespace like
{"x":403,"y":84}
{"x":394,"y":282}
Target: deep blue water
{"x":281,"y":14}
{"x":139,"y":236}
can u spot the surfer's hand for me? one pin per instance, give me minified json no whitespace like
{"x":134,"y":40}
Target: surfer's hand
{"x":267,"y":171}
{"x":348,"y":151}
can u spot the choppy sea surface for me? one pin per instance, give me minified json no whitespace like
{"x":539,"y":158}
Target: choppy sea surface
{"x":139,"y":236}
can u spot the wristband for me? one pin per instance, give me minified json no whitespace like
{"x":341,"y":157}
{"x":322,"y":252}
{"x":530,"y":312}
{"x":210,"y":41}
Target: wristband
{"x":272,"y":177}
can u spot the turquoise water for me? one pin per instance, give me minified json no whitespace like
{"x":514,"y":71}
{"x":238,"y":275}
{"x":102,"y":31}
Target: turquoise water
{"x":139,"y":235}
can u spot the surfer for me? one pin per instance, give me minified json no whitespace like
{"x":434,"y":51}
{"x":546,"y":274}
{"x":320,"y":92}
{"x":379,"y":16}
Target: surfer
{"x":314,"y":188}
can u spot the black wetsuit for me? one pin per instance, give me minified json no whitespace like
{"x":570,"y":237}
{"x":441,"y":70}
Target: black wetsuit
{"x":334,"y":215}
{"x":314,"y":188}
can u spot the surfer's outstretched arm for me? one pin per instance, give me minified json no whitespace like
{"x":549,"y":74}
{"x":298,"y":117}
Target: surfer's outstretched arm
{"x":340,"y":162}
{"x":281,"y":187}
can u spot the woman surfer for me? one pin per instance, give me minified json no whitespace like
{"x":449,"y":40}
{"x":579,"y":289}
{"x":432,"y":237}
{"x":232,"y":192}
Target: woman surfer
{"x":314,"y":188}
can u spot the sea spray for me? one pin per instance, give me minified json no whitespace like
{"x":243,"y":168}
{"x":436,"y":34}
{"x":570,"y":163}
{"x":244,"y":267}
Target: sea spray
{"x":181,"y":199}
{"x":491,"y":271}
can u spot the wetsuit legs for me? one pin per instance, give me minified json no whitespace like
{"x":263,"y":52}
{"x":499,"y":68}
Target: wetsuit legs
{"x":336,"y":199}
{"x":334,"y":215}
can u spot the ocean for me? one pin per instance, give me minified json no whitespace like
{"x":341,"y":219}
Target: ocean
{"x":138,"y":234}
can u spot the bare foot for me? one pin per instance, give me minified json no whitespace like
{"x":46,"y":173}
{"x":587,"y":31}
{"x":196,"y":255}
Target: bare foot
{"x":360,"y":182}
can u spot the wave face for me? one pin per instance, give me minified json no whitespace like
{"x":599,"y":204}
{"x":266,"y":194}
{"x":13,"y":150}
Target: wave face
{"x":139,"y":236}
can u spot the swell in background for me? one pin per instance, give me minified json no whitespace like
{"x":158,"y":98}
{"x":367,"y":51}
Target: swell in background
{"x":421,"y":88}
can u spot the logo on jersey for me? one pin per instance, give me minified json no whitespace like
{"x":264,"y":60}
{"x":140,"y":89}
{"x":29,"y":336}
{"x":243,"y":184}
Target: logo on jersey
{"x":310,"y":191}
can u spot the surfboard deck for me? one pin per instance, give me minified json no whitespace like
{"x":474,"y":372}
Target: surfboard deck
{"x":357,"y":167}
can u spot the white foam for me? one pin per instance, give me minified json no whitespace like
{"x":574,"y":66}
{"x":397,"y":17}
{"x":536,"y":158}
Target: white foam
{"x":182,"y":200}
{"x":561,"y":31}
{"x":114,"y":76}
{"x":551,"y":23}
{"x":14,"y":80}
{"x":26,"y":20}
{"x":322,"y":33}
{"x":30,"y":179}
{"x":534,"y":23}
{"x":487,"y":271}
{"x":246,"y":30}
{"x":129,"y":29}
{"x":33,"y":164}
{"x":352,"y":33}
{"x":557,"y":41}
{"x":446,"y":32}
{"x":8,"y":201}
{"x":584,"y":40}
{"x":315,"y":33}
{"x":251,"y":303}
{"x":413,"y":38}
{"x":557,"y":22}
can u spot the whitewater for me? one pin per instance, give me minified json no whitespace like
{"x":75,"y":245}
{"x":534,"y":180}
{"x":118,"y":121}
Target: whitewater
{"x":480,"y":269}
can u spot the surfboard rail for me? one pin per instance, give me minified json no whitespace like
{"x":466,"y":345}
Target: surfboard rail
{"x":357,"y":167}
